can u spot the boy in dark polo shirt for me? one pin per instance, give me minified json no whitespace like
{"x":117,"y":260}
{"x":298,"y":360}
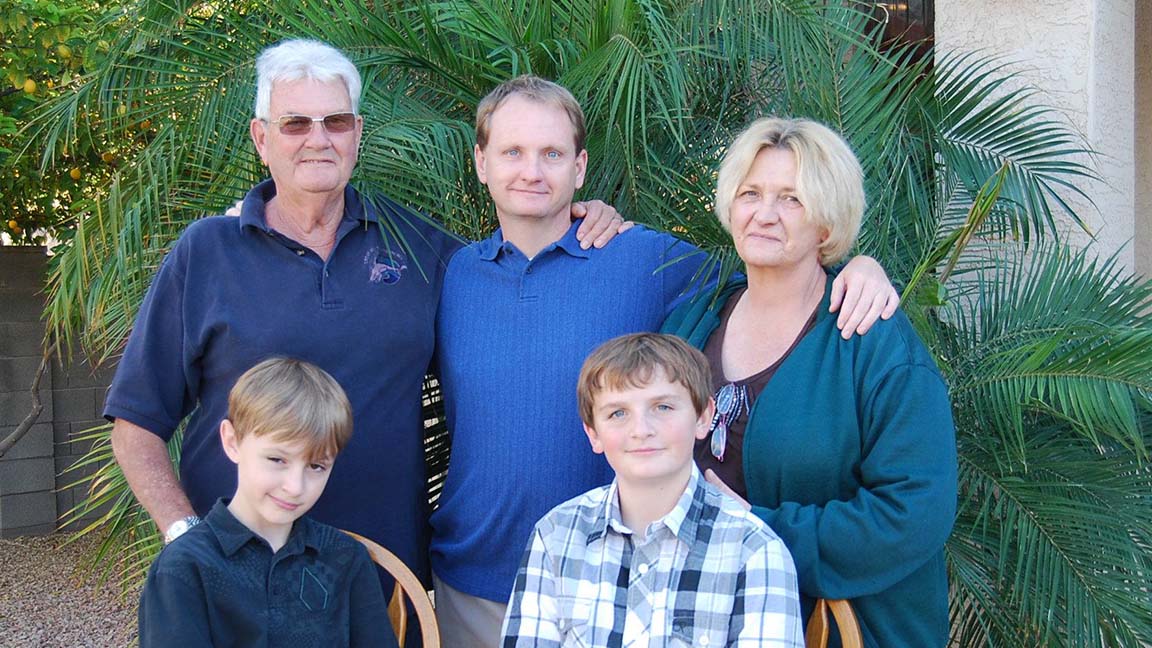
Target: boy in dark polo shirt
{"x":256,"y":572}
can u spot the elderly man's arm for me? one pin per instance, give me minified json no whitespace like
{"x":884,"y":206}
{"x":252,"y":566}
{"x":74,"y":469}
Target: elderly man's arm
{"x":143,"y":457}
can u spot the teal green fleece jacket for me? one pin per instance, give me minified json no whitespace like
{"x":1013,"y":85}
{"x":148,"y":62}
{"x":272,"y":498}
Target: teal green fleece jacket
{"x":850,"y":457}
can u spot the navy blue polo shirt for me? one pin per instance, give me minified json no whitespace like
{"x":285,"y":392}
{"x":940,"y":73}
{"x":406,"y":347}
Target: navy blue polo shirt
{"x":233,"y":292}
{"x":512,"y":334}
{"x":219,"y":584}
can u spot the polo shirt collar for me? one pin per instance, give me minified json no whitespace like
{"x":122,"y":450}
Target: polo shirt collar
{"x":253,"y":214}
{"x":233,"y":535}
{"x":490,"y":247}
{"x":682,"y":520}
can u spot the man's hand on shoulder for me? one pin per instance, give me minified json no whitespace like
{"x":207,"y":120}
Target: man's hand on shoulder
{"x":601,"y":223}
{"x":863,"y":294}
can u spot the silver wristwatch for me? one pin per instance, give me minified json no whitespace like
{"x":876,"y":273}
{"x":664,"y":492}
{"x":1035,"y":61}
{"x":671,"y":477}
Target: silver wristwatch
{"x":179,"y":527}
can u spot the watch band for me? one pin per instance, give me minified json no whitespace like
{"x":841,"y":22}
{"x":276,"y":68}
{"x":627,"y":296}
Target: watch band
{"x":179,"y":527}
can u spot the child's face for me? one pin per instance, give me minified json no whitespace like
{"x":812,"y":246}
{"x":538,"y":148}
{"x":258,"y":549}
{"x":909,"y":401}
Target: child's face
{"x":648,"y":433}
{"x":275,"y":483}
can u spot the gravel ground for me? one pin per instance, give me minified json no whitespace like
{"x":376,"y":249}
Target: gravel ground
{"x":44,"y":601}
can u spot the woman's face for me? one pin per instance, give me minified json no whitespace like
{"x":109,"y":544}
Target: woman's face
{"x":769,"y":224}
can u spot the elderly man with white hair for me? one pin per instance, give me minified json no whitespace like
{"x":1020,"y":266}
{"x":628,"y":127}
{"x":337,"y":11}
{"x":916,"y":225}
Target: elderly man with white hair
{"x":312,"y":269}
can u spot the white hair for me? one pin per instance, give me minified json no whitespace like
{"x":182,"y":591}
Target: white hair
{"x":297,"y":59}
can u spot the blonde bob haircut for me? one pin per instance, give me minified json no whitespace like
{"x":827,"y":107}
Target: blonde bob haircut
{"x":630,"y":361}
{"x":535,"y":89}
{"x":292,"y":401}
{"x":829,"y":181}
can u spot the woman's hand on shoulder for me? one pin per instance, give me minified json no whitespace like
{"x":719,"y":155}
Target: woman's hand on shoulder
{"x":711,"y":477}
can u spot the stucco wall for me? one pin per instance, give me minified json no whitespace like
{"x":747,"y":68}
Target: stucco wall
{"x":1080,"y":54}
{"x":1144,"y":138}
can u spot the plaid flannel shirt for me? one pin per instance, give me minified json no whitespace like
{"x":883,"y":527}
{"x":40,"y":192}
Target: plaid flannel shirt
{"x":707,"y":574}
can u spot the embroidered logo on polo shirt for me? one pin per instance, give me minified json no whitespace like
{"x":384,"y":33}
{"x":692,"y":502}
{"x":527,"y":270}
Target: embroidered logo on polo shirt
{"x":313,"y":594}
{"x":385,"y":266}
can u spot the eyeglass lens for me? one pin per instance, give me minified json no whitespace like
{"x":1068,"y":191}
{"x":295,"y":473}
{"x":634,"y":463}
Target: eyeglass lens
{"x":302,"y":124}
{"x":731,"y":400}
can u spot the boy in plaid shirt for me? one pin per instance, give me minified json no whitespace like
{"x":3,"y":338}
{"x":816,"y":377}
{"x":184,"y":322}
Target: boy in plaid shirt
{"x":658,"y":557}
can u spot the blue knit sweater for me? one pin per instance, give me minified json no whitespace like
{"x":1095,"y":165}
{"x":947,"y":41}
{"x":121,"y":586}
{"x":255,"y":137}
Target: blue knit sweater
{"x":512,"y":334}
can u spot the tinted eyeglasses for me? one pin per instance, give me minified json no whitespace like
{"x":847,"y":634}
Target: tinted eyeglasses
{"x":731,"y":401}
{"x":341,"y":122}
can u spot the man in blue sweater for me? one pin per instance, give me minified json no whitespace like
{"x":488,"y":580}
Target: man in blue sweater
{"x":519,"y":312}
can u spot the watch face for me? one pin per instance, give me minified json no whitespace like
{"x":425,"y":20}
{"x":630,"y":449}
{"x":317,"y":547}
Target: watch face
{"x":179,"y":527}
{"x":174,"y":531}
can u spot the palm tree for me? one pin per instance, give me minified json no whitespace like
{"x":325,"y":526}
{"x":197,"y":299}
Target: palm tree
{"x":1046,"y":350}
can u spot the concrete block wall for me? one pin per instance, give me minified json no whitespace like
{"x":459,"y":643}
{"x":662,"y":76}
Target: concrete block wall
{"x":33,"y":481}
{"x":77,"y":399}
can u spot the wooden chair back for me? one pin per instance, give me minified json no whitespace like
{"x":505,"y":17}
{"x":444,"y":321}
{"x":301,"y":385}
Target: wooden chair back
{"x":408,"y":587}
{"x":817,"y":633}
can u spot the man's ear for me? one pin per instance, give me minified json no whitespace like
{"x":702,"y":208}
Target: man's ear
{"x":581,"y":167}
{"x":478,"y":160}
{"x":704,"y":421}
{"x":256,"y":128}
{"x":594,"y":439}
{"x":228,"y":440}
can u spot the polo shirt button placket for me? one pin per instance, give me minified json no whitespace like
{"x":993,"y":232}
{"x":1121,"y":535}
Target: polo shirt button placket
{"x":526,"y":291}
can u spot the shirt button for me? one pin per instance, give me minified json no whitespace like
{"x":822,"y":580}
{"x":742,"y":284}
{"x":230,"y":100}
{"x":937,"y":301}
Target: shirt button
{"x":299,"y":252}
{"x":703,"y":641}
{"x":643,"y":568}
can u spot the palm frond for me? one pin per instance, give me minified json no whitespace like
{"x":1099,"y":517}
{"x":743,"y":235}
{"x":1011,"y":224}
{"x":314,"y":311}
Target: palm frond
{"x":983,"y":126}
{"x":128,"y":538}
{"x":1058,"y":334}
{"x":1053,"y":549}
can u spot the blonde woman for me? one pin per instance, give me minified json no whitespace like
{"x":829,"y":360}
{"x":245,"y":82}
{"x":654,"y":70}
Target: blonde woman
{"x":846,"y":448}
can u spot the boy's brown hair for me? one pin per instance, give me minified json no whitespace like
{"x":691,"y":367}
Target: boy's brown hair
{"x":294,"y":402}
{"x":538,"y":90}
{"x":631,"y":361}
